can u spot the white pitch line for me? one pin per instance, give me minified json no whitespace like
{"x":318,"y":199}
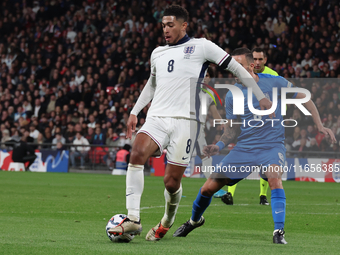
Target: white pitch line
{"x":158,"y":206}
{"x":314,"y":213}
{"x":315,"y":204}
{"x":162,"y":206}
{"x":231,"y":212}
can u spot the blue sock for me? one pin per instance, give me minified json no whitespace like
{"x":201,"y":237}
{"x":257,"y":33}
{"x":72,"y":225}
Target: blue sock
{"x":200,"y":204}
{"x":278,"y":202}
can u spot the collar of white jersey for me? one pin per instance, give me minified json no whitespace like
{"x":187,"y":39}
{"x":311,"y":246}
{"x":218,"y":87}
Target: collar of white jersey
{"x":181,"y":41}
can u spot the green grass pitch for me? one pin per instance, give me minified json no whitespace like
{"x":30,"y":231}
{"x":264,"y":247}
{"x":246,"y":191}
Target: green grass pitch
{"x":53,"y":213}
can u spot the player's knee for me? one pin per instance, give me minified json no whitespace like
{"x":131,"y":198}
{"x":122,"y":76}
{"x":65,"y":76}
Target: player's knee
{"x":275,"y":183}
{"x":207,"y":191}
{"x":172,"y":184}
{"x":138,"y":155}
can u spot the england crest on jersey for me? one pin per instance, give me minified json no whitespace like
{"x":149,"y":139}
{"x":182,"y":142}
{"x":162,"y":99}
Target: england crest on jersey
{"x":188,"y":50}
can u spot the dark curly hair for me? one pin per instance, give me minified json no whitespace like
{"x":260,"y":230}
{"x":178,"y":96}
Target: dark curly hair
{"x":178,"y":11}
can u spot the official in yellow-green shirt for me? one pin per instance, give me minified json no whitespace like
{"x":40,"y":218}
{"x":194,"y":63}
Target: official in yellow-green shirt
{"x":260,"y":59}
{"x":269,"y":71}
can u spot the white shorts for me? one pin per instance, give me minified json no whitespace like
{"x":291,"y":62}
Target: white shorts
{"x":177,"y":135}
{"x":200,"y":143}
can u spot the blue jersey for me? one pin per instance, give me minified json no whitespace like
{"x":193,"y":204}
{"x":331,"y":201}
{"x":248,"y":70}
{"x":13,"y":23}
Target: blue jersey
{"x":272,"y":131}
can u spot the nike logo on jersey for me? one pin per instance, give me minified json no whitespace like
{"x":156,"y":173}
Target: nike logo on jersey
{"x":277,"y":212}
{"x":183,"y":158}
{"x":128,"y":194}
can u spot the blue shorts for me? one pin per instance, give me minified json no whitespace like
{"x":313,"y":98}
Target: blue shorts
{"x":241,"y":162}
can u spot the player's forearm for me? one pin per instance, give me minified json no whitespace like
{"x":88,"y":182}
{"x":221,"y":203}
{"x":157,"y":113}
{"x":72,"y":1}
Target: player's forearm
{"x":246,"y":79}
{"x":146,"y":96}
{"x":315,"y":114}
{"x":229,"y":135}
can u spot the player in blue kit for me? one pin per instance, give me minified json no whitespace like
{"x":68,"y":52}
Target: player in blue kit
{"x":256,"y":146}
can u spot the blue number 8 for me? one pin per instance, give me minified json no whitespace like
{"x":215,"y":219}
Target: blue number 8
{"x":171,"y":65}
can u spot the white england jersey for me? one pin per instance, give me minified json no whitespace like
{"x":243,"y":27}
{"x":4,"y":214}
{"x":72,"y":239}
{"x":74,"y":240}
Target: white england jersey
{"x":175,"y":67}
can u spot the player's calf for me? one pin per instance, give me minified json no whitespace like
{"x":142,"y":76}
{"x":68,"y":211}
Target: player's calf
{"x":211,"y":186}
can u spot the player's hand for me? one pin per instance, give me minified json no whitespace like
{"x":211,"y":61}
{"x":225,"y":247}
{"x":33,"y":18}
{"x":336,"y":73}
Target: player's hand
{"x":210,"y":150}
{"x":328,"y":132}
{"x":266,"y":104}
{"x":131,"y":125}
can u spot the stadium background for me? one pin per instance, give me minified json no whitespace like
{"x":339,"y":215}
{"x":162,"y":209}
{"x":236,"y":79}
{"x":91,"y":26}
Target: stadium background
{"x":70,"y":66}
{"x":66,"y":213}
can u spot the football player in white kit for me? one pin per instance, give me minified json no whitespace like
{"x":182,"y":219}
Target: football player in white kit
{"x":171,"y":122}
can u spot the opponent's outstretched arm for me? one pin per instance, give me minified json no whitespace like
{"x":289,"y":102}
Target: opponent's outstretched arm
{"x":238,"y":70}
{"x":247,"y":80}
{"x":316,"y":117}
{"x":213,"y":53}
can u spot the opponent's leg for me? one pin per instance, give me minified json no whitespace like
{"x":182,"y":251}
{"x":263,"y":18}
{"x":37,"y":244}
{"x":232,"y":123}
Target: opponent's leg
{"x":142,"y":149}
{"x":200,"y":204}
{"x":278,"y":203}
{"x":263,"y":192}
{"x":206,"y":163}
{"x":203,"y":198}
{"x":172,"y":193}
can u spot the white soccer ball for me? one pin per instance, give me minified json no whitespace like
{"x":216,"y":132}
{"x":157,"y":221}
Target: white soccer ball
{"x":113,"y":222}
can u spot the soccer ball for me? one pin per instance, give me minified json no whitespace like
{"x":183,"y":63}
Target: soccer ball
{"x":113,"y":222}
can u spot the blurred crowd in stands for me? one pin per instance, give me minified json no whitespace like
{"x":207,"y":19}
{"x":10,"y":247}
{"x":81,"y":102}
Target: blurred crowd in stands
{"x":72,"y":66}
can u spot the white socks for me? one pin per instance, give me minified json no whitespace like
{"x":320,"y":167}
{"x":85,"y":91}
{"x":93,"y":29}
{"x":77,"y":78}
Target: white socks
{"x":171,"y":206}
{"x":196,"y":222}
{"x":206,"y":166}
{"x":134,"y":190}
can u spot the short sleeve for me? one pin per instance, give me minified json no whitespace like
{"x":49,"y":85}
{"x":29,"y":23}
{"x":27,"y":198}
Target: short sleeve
{"x":214,"y":53}
{"x":283,"y":83}
{"x":229,"y":107}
